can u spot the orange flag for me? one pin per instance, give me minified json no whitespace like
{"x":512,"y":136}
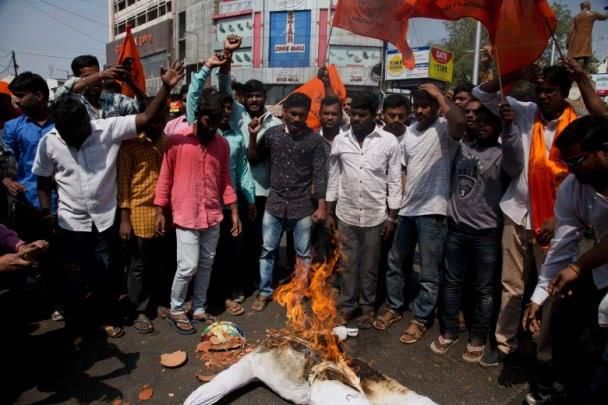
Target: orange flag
{"x":518,"y":29}
{"x":129,"y":56}
{"x":377,"y":19}
{"x":315,"y":89}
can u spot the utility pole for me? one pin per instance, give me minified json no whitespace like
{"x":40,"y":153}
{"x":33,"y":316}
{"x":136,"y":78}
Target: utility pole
{"x":15,"y":66}
{"x":476,"y":59}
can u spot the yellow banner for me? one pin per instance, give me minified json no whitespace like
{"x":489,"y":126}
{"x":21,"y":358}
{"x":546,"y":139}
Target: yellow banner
{"x":441,"y":65}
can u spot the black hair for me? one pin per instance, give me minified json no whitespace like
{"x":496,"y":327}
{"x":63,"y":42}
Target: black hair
{"x":559,"y":76}
{"x":68,"y":110}
{"x":29,"y":82}
{"x":466,"y":87}
{"x":83,"y":61}
{"x":484,"y":114}
{"x":210,"y":104}
{"x":254,"y":85}
{"x":225,"y":97}
{"x":396,"y":101}
{"x":331,"y":100}
{"x":590,"y":131}
{"x":423,"y":97}
{"x":365,"y":101}
{"x":111,"y":85}
{"x":238,"y":87}
{"x":297,"y":100}
{"x":183,"y":90}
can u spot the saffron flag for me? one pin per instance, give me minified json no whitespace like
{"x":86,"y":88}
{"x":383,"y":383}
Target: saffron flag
{"x":315,"y":89}
{"x":519,"y":29}
{"x":129,"y":57}
{"x":377,"y":19}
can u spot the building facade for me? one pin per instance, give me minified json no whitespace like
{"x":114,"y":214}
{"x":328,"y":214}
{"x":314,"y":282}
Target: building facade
{"x":284,"y":42}
{"x":151,"y":22}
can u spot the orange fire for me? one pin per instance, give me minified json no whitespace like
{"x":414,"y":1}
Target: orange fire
{"x":313,"y":322}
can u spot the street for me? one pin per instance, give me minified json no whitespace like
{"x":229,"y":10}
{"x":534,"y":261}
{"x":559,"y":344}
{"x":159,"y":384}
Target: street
{"x":107,"y":370}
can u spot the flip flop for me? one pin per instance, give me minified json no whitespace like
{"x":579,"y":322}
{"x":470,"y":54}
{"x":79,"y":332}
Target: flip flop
{"x":143,"y":325}
{"x":174,"y":322}
{"x":113,"y":332}
{"x":234,"y":308}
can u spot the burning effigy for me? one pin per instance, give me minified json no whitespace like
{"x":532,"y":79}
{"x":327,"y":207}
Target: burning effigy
{"x":304,"y":363}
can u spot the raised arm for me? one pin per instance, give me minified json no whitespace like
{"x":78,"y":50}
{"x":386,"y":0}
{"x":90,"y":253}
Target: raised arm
{"x":170,"y":78}
{"x":198,"y":84}
{"x":593,"y":102}
{"x":454,"y":115}
{"x":115,"y":72}
{"x":512,"y":146}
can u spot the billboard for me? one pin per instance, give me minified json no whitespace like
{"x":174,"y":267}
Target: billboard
{"x":430,"y":63}
{"x":601,"y":83}
{"x":289,"y":44}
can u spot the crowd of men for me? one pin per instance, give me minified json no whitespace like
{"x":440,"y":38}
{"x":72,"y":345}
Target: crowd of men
{"x":492,"y":197}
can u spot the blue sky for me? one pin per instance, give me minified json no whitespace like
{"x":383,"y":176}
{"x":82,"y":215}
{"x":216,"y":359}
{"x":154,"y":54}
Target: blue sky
{"x":47,"y":34}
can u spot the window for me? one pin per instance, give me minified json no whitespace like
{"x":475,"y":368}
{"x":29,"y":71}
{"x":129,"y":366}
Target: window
{"x":122,"y":27}
{"x":181,"y":25}
{"x":141,"y":19}
{"x":162,"y":10}
{"x":168,"y":6}
{"x":121,"y":5}
{"x":181,"y":49}
{"x":131,"y":22}
{"x":130,"y":2}
{"x":152,"y":14}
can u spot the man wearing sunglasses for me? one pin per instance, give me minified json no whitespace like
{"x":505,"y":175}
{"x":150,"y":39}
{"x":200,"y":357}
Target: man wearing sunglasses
{"x":582,"y":201}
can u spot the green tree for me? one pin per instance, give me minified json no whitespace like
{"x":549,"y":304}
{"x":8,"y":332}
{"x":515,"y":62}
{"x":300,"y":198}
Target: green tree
{"x":460,"y":40}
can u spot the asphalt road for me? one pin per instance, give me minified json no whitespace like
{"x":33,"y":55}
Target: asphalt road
{"x":107,"y":370}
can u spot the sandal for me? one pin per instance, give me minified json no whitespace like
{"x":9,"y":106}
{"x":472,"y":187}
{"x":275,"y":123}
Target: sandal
{"x":143,"y":325}
{"x":182,"y":325}
{"x":365,"y":321}
{"x":384,"y":321}
{"x":413,"y":333}
{"x":441,"y":345}
{"x":203,"y":317}
{"x":472,"y":354}
{"x":234,"y":308}
{"x":260,"y":303}
{"x":113,"y":332}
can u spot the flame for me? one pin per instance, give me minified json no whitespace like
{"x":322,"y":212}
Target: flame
{"x":316,"y":321}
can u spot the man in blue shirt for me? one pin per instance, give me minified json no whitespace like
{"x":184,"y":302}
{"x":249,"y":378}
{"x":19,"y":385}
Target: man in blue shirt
{"x":23,"y":133}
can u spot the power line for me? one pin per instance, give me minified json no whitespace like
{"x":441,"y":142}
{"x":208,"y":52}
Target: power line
{"x":74,"y":13}
{"x":62,"y":22}
{"x":47,"y":56}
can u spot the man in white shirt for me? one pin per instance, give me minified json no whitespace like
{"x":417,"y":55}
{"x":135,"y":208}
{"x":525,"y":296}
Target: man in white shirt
{"x":395,"y":112}
{"x":80,"y":156}
{"x":364,"y":178}
{"x":582,"y":201}
{"x":526,"y":236}
{"x":423,"y":215}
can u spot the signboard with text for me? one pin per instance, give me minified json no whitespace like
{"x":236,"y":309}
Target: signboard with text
{"x":430,"y":63}
{"x":289,"y":44}
{"x":601,"y":83}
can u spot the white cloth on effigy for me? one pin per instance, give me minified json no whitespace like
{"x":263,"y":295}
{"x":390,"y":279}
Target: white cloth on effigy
{"x":283,"y":371}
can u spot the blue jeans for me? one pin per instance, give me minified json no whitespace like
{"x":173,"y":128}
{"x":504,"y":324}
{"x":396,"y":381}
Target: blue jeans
{"x":195,"y":256}
{"x":430,"y":233}
{"x":272,"y":230}
{"x":466,"y":250}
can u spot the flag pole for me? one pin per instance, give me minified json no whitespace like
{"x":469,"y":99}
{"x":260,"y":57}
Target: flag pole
{"x":497,"y":61}
{"x":331,"y":28}
{"x":559,"y":49}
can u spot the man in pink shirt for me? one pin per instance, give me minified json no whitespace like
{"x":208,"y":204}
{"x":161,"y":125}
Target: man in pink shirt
{"x":193,"y":185}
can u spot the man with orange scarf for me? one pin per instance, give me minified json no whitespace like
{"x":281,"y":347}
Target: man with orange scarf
{"x":528,"y":202}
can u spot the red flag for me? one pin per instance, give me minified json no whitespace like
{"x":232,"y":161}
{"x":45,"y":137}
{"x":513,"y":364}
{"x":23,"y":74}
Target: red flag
{"x":518,"y":29}
{"x":129,"y":56}
{"x":377,"y":19}
{"x":315,"y":89}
